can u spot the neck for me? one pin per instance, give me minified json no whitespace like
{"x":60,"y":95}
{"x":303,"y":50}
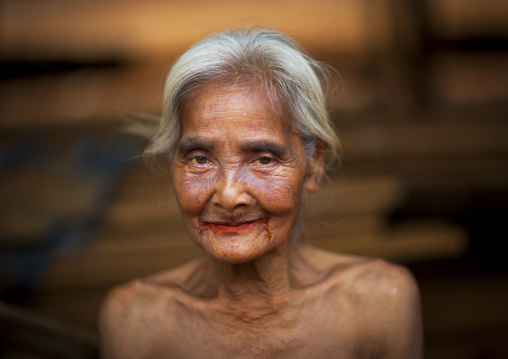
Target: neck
{"x":263,"y":278}
{"x":266,"y":278}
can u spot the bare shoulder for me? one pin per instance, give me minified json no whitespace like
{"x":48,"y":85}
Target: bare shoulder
{"x":126,"y":315}
{"x":363,"y":275}
{"x":123,"y":301}
{"x":380,"y":299}
{"x":386,"y":299}
{"x":144,"y":293}
{"x":131,"y":311}
{"x":382,"y":279}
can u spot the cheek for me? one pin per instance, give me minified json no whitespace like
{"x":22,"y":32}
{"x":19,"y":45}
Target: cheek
{"x":279,"y":193}
{"x":191,"y":192}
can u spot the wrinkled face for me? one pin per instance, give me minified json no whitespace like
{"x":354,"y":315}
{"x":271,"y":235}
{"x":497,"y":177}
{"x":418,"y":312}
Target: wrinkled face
{"x":238,"y":173}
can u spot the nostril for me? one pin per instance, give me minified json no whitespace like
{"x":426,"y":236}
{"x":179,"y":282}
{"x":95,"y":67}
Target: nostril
{"x":231,"y":194}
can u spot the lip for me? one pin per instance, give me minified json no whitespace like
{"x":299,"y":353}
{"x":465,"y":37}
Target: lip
{"x":233,"y":227}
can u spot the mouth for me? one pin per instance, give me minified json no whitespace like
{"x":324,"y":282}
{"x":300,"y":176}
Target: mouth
{"x":233,"y":227}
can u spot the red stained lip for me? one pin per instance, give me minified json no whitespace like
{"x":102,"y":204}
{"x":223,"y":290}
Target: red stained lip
{"x":232,"y":227}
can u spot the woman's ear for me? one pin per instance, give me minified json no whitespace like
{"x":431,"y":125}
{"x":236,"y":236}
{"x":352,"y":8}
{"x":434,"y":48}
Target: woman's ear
{"x":315,"y":167}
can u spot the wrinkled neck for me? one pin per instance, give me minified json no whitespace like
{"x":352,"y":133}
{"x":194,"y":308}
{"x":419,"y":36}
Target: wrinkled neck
{"x":266,"y":278}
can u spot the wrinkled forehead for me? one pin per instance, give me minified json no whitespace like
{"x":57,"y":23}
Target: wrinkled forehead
{"x":236,"y":111}
{"x":241,"y":95}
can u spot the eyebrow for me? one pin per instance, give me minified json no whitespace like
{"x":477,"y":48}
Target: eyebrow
{"x":195,"y":142}
{"x":192,"y":143}
{"x":262,"y":146}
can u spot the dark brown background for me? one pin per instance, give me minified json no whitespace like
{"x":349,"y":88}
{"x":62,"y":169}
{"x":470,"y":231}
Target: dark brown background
{"x":421,"y":109}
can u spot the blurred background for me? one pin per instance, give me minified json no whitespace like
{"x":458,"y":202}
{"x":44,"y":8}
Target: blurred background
{"x":421,"y":108}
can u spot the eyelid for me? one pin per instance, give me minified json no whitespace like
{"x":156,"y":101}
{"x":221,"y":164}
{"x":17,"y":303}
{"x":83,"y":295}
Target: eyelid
{"x":191,"y":156}
{"x":271,"y":156}
{"x":197,"y":152}
{"x":200,"y":157}
{"x":267,"y":155}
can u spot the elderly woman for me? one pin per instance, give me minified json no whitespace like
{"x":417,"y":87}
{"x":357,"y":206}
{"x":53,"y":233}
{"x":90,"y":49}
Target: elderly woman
{"x":245,"y":132}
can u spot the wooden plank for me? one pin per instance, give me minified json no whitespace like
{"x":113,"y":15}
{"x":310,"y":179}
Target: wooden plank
{"x":411,"y":242}
{"x":91,"y":96}
{"x":78,"y":306}
{"x":100,"y":270}
{"x":343,"y":225}
{"x":34,"y":198}
{"x":460,"y":79}
{"x":461,"y":135}
{"x":49,"y":327}
{"x":353,"y":195}
{"x":468,"y":18}
{"x":129,"y":29}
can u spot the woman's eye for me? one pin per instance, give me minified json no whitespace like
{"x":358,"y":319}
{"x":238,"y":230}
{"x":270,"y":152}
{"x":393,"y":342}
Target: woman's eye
{"x":264,"y":160}
{"x":199,"y":160}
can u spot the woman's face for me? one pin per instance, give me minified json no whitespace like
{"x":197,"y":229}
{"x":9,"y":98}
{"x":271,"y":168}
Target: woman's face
{"x":238,"y":173}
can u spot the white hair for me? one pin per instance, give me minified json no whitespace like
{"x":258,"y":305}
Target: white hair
{"x":256,"y":56}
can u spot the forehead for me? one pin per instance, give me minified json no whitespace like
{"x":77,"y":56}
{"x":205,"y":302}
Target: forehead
{"x":229,"y":108}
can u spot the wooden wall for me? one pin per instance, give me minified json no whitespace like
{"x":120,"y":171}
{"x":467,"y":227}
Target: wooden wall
{"x":420,"y":107}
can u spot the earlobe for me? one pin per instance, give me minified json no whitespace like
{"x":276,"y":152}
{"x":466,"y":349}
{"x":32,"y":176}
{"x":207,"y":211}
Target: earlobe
{"x":316,"y":168}
{"x":314,"y":180}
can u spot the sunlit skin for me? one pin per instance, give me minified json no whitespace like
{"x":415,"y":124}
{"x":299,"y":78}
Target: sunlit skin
{"x":238,"y":174}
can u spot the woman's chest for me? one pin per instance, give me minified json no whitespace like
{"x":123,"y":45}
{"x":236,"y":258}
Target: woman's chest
{"x":246,"y":345}
{"x":304,"y":334}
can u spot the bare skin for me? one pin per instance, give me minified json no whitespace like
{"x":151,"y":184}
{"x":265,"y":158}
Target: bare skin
{"x":238,"y":174}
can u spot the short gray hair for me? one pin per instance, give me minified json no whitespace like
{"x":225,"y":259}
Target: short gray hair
{"x":259,"y":56}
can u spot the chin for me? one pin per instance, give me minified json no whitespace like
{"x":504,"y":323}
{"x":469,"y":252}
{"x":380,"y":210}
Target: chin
{"x":234,"y":248}
{"x":236,"y":251}
{"x":237,"y":256}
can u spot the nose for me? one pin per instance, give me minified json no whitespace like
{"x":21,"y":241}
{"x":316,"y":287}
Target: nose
{"x":231,"y":192}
